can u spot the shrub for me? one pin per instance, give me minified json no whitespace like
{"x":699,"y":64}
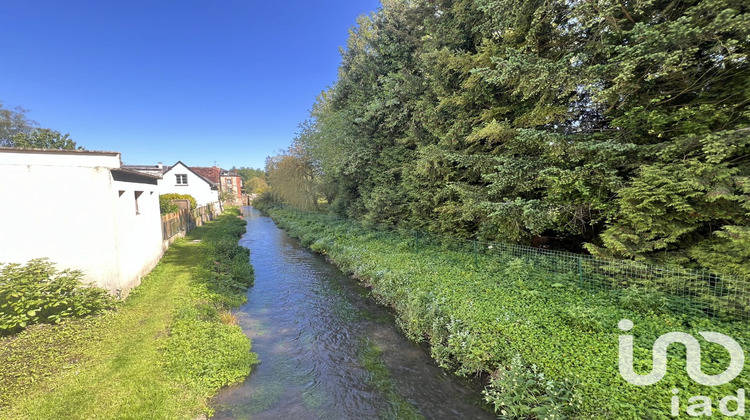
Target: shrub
{"x":166,"y":206}
{"x":265,"y":201}
{"x":37,"y":293}
{"x":524,"y":392}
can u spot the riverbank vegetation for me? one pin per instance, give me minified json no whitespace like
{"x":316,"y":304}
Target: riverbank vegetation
{"x":621,"y":129}
{"x":160,"y":354}
{"x":547,"y":347}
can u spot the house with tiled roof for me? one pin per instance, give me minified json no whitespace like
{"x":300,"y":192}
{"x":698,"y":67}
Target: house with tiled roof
{"x":204,"y":183}
{"x":229,"y":183}
{"x":212,"y":173}
{"x":195,"y":181}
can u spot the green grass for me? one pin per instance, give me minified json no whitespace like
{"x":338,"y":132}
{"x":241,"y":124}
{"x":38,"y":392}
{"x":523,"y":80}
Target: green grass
{"x":479,"y":318}
{"x":142,"y":360}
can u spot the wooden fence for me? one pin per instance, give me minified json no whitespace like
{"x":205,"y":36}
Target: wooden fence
{"x":183,"y":221}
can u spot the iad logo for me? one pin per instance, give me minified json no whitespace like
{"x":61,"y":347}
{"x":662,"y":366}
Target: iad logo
{"x":693,"y":358}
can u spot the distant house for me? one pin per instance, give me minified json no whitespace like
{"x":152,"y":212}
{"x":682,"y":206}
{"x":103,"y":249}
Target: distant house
{"x":231,"y":184}
{"x":204,"y":183}
{"x":182,"y":179}
{"x":82,"y":210}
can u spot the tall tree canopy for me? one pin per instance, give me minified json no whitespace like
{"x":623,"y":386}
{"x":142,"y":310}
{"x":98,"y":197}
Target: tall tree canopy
{"x":16,"y":130}
{"x":619,"y":125}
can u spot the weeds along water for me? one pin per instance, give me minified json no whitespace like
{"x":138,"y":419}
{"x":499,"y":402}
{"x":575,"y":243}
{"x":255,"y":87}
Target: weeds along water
{"x":160,"y":354}
{"x":549,"y":348}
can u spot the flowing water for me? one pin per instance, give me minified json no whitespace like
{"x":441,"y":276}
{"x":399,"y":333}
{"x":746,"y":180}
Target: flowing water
{"x":327,"y":351}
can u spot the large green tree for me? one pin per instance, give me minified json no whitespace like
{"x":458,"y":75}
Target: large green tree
{"x":617,"y":124}
{"x":16,"y":130}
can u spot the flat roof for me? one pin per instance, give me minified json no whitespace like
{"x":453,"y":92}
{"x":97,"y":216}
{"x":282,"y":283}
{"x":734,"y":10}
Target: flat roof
{"x":57,"y":151}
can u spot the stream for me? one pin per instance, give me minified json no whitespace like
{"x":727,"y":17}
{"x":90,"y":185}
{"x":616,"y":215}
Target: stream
{"x":326,"y":349}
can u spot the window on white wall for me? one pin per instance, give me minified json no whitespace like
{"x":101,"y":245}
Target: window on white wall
{"x":137,"y":198}
{"x":181,"y":179}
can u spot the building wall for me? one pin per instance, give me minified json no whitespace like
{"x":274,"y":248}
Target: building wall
{"x":235,"y":188}
{"x":68,"y":208}
{"x":196,"y":186}
{"x":138,"y":234}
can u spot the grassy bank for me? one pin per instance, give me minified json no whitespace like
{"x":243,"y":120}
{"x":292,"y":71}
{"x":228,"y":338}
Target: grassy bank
{"x":549,"y":347}
{"x":167,"y":348}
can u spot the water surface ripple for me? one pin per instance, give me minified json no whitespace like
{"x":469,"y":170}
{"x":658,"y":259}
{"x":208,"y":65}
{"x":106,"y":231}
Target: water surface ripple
{"x":327,"y":351}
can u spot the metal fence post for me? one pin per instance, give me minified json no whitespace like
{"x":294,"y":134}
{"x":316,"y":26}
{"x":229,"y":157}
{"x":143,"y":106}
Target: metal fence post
{"x":476,"y":256}
{"x":580,"y":270}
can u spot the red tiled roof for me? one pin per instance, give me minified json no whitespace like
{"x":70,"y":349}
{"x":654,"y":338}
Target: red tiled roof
{"x":211,"y":174}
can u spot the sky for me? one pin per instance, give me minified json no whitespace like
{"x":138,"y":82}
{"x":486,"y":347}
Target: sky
{"x":221,"y":82}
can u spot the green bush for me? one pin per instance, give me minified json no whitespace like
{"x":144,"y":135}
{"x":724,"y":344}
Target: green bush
{"x":37,"y":293}
{"x":265,"y":201}
{"x":165,"y":205}
{"x":520,"y":391}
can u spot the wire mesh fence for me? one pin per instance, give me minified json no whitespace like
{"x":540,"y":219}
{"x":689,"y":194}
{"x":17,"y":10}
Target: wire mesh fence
{"x":683,"y":290}
{"x":680,"y":289}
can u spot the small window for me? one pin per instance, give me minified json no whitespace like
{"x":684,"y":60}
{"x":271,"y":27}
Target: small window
{"x":137,"y":197}
{"x":229,"y":181}
{"x":181,"y":179}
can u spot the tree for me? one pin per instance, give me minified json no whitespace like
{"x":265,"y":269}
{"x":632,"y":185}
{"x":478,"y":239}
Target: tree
{"x":292,"y":178}
{"x":18,"y":131}
{"x":44,"y":138}
{"x":13,"y":122}
{"x":256,"y":185}
{"x":619,"y":125}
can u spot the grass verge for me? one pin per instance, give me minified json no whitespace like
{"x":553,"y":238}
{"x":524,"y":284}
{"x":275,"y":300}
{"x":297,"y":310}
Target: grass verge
{"x":548,"y":348}
{"x":161,"y":354}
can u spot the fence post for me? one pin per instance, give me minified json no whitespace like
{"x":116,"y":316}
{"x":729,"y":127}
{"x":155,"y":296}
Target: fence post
{"x":476,"y":256}
{"x":580,"y":270}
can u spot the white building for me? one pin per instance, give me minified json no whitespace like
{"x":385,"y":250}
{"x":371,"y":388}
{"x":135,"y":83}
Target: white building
{"x":81,"y":210}
{"x":181,"y":179}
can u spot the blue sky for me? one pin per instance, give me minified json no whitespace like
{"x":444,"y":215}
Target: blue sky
{"x":223,"y":81}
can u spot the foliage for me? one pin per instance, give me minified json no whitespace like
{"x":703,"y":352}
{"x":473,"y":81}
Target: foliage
{"x":257,"y":185}
{"x":253,"y":180}
{"x":37,"y":293}
{"x":202,"y":350}
{"x":162,"y":354}
{"x":44,"y":138}
{"x":207,"y":355}
{"x":166,"y":206}
{"x":694,"y":210}
{"x":292,"y":178}
{"x":266,"y":201}
{"x":224,"y":268}
{"x":512,"y":315}
{"x":523,"y":392}
{"x":501,"y":119}
{"x":18,"y":131}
